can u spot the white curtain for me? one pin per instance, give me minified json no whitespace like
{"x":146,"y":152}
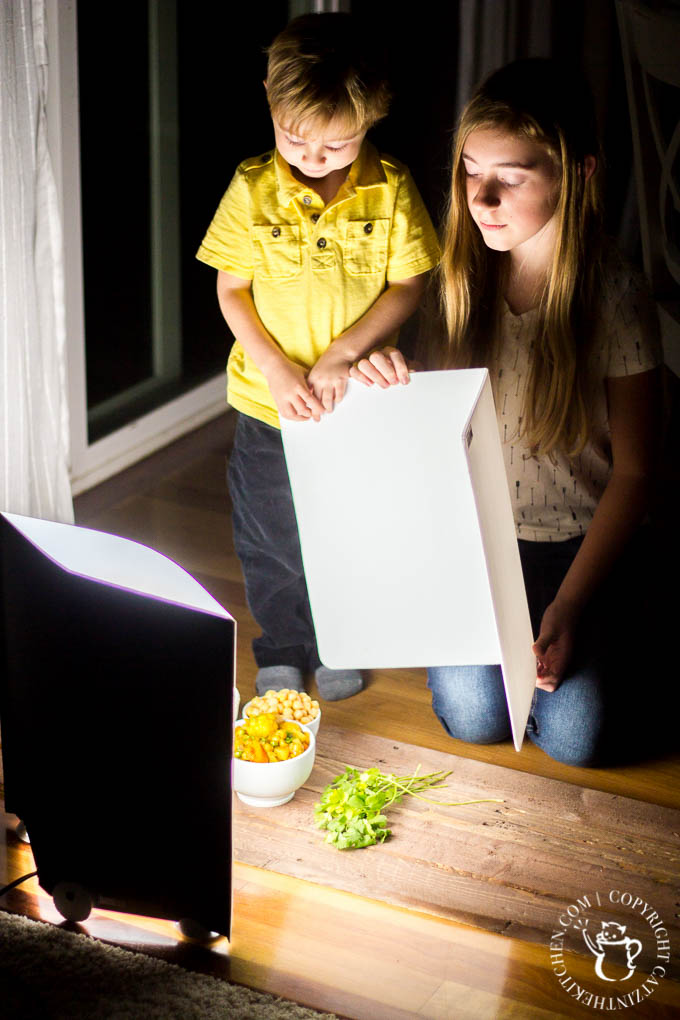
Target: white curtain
{"x":34,"y":431}
{"x":494,"y":32}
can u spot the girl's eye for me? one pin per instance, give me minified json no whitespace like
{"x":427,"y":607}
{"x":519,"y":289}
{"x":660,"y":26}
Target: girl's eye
{"x":511,"y":184}
{"x":292,"y":141}
{"x":336,"y":148}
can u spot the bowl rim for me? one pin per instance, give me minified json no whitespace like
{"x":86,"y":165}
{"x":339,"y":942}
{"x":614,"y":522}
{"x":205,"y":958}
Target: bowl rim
{"x":298,"y":757}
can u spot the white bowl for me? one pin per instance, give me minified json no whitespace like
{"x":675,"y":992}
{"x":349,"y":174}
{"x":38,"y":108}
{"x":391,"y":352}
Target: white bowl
{"x":312,"y":726}
{"x":268,"y":784}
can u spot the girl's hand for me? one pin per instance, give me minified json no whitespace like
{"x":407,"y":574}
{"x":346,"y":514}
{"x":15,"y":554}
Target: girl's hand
{"x":553,"y":646}
{"x":386,"y":367}
{"x":292,"y":395}
{"x":328,"y":378}
{"x":633,"y":402}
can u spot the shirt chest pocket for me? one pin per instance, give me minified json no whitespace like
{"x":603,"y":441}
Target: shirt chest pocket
{"x":366,"y":246}
{"x":276,"y":250}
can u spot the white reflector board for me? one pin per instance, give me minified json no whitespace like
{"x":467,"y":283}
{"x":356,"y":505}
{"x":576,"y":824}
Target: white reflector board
{"x":407,"y":534}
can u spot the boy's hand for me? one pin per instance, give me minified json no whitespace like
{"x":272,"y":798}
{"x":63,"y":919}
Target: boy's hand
{"x":386,"y":367}
{"x":328,"y":378}
{"x":292,"y":395}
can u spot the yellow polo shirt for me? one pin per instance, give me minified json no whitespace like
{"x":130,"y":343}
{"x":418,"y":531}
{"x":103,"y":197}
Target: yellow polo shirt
{"x":315,"y":269}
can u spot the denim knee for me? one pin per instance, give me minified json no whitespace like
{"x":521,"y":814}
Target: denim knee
{"x":568,"y":722}
{"x":470,"y":703}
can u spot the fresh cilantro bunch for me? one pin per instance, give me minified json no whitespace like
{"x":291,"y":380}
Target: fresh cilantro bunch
{"x":351,"y":807}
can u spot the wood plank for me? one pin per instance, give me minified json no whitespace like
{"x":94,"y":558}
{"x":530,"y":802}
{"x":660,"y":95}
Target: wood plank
{"x":512,"y":868}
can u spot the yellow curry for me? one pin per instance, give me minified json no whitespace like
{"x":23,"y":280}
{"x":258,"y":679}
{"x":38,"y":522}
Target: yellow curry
{"x":263,"y":739}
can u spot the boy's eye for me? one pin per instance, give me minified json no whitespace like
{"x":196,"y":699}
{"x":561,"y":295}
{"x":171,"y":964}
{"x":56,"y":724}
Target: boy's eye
{"x":337,"y":148}
{"x":293,"y":141}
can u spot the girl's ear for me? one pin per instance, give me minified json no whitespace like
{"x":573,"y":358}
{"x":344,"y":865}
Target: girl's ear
{"x":589,"y":165}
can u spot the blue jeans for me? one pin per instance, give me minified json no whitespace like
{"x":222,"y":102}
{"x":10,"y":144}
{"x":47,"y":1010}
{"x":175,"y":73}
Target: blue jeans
{"x":268,"y":545}
{"x":581,"y":722}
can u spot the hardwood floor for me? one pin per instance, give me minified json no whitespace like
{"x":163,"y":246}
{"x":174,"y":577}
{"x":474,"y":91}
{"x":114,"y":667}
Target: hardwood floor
{"x":357,"y":957}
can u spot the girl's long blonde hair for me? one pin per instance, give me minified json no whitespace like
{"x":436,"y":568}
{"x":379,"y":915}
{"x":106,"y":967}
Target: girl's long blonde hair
{"x":532,"y":98}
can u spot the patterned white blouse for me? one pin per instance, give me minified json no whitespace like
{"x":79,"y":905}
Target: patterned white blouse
{"x":556,"y":501}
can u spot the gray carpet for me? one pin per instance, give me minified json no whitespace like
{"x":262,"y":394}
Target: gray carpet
{"x":47,"y":973}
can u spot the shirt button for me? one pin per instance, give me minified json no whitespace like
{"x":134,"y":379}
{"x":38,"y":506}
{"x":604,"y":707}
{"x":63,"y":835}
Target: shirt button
{"x":321,"y":243}
{"x":307,"y":199}
{"x":368,"y":228}
{"x":276,"y":232}
{"x":315,"y":217}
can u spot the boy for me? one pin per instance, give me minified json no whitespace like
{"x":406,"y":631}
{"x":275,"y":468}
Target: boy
{"x":322,"y":248}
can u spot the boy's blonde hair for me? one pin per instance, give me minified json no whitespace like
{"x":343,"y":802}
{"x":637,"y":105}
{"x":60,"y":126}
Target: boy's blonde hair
{"x":535,"y":99}
{"x":319,"y":72}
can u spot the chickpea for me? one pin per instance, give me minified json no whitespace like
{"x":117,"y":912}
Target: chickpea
{"x":285,"y":704}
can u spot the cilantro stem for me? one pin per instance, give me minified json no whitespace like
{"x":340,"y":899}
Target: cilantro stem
{"x":445,"y":803}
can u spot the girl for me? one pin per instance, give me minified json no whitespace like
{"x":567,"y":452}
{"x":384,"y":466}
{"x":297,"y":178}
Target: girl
{"x":530,"y":289}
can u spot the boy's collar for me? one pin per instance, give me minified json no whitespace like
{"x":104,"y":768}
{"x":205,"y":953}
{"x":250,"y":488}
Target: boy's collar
{"x":365,"y":172}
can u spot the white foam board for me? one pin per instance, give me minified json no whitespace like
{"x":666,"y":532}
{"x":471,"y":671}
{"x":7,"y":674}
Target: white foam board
{"x":407,"y":534}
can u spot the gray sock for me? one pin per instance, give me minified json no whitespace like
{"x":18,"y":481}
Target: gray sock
{"x":276,"y":678}
{"x":336,"y":684}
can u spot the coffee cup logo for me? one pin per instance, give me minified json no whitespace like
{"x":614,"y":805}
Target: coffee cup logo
{"x":607,"y":944}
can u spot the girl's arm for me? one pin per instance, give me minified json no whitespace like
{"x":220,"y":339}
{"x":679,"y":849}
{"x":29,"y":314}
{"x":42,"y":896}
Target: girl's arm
{"x":328,"y":378}
{"x":292,"y":395}
{"x":634,"y":416}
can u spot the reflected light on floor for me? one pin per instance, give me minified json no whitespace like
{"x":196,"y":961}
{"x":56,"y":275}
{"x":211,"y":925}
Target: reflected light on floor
{"x":123,"y":929}
{"x":108,"y":925}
